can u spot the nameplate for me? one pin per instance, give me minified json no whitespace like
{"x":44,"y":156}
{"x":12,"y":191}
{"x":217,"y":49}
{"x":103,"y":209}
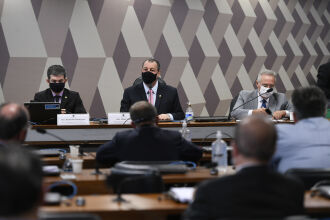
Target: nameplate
{"x":119,"y":118}
{"x":73,"y":119}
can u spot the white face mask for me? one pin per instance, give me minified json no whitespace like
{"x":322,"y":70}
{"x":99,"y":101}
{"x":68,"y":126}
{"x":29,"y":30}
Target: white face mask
{"x":265,"y":94}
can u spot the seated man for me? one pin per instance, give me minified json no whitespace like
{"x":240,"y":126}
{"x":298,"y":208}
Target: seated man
{"x":306,"y":144}
{"x":13,"y":123}
{"x":275,"y":102}
{"x":164,"y":97}
{"x":255,"y":191}
{"x":70,"y":100}
{"x":147,"y":142}
{"x":21,"y":183}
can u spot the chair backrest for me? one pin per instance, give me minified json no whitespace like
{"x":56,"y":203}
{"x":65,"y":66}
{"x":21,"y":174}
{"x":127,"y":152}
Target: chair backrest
{"x":68,"y":216}
{"x":309,"y":176}
{"x":139,"y":80}
{"x":135,"y":181}
{"x":232,"y":104}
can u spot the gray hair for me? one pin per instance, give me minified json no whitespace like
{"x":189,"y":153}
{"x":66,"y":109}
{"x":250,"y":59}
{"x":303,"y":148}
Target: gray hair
{"x":267,"y":72}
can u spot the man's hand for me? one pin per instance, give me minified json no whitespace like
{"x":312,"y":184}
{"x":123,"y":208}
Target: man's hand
{"x":259,"y":111}
{"x":279,"y":114}
{"x":164,"y":117}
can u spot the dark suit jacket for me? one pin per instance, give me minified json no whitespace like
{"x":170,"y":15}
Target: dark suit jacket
{"x":323,"y":78}
{"x":253,"y":192}
{"x":147,"y":143}
{"x":167,"y":99}
{"x":71,"y":100}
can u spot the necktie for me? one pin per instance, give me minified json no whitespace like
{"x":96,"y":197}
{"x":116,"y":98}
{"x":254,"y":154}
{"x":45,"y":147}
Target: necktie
{"x":151,"y":97}
{"x":264,"y":102}
{"x":57,"y":98}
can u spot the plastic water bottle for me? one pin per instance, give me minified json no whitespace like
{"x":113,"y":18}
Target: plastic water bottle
{"x":219,"y":153}
{"x":185,"y":132}
{"x":189,"y":113}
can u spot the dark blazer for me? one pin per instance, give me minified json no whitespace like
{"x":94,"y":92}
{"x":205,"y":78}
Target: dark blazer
{"x":147,"y":143}
{"x":71,"y":100}
{"x":253,"y":192}
{"x":323,"y":78}
{"x":167,"y":99}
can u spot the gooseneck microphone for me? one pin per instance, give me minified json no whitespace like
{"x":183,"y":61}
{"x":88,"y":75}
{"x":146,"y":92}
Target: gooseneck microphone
{"x":44,"y":131}
{"x":268,"y":90}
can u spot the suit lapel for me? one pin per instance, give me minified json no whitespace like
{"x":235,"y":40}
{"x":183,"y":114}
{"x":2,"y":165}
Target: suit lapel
{"x":49,"y":96}
{"x":159,"y":96}
{"x":272,"y":102}
{"x":141,"y":92}
{"x":65,"y":98}
{"x":253,"y":104}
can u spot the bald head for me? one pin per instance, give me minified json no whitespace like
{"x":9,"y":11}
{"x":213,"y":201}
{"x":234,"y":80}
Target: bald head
{"x":256,"y":138}
{"x":143,"y":112}
{"x":13,"y":122}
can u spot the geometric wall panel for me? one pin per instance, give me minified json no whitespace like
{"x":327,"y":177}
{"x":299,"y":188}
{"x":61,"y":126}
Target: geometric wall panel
{"x":208,"y":49}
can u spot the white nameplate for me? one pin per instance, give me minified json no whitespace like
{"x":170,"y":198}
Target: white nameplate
{"x":73,"y":119}
{"x":119,"y":118}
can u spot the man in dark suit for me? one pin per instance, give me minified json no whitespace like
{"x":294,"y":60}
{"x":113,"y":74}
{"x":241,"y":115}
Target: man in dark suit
{"x":255,"y":191}
{"x":147,"y":142}
{"x":323,"y":79}
{"x":70,"y":100}
{"x":164,"y":97}
{"x":13,"y":123}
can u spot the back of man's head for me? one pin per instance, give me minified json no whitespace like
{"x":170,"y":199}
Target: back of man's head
{"x":13,"y":122}
{"x":143,"y":112}
{"x":20,"y":182}
{"x":309,"y":102}
{"x":256,"y":138}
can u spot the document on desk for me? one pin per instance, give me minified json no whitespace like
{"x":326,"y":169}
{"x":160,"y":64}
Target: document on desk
{"x":182,"y":194}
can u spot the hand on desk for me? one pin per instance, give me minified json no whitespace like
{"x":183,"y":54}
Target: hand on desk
{"x":279,"y":114}
{"x":164,"y":117}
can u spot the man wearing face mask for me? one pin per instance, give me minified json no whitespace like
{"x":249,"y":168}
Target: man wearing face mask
{"x":70,"y":100}
{"x":267,"y":103}
{"x":165,"y":98}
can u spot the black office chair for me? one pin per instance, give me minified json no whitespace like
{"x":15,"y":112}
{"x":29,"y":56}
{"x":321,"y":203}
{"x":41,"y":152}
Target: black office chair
{"x":135,"y":181}
{"x":68,"y":216}
{"x":309,"y":176}
{"x":139,"y":80}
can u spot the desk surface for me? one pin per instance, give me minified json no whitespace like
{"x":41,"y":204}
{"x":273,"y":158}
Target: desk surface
{"x":88,"y":183}
{"x":143,"y":205}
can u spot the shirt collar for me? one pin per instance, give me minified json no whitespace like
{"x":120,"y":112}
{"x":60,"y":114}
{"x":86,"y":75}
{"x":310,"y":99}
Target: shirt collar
{"x":60,"y":94}
{"x":154,"y":89}
{"x":260,"y":98}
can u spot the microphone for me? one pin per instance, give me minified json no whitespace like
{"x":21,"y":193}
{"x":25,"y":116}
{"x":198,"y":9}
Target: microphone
{"x":268,"y":90}
{"x":81,"y":151}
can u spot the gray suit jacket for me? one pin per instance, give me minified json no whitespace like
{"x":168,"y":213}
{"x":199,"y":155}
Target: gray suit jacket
{"x":277,"y":102}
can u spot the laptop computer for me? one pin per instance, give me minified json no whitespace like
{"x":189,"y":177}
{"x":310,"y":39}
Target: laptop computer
{"x":43,"y":112}
{"x":211,"y":118}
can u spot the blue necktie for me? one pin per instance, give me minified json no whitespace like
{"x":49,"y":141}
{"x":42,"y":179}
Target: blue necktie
{"x":264,"y":102}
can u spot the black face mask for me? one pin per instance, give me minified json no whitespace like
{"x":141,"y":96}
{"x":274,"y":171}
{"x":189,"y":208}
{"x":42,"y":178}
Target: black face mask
{"x":56,"y":87}
{"x":148,"y":77}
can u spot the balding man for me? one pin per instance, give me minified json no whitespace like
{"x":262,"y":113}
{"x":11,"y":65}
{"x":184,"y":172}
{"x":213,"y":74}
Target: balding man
{"x":254,"y":191}
{"x":147,"y":142}
{"x":13,"y":122}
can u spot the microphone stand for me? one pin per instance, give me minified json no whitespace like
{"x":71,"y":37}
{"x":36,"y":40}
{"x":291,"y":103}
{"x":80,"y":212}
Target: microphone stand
{"x":269,"y":112}
{"x":81,"y":151}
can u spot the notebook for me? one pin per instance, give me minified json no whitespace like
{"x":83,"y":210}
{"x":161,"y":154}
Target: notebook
{"x":43,"y":112}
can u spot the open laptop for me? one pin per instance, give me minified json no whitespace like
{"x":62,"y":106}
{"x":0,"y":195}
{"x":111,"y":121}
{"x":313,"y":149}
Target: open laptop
{"x":211,"y":118}
{"x":43,"y":112}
